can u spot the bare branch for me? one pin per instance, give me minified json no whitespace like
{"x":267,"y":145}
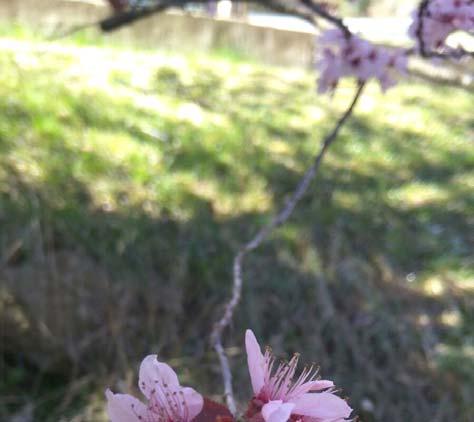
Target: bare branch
{"x":129,"y":16}
{"x":280,"y":218}
{"x":282,"y":6}
{"x":320,"y":11}
{"x":315,"y":9}
{"x":422,"y":8}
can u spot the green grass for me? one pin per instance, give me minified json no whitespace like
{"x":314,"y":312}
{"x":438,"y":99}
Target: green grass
{"x":129,"y":178}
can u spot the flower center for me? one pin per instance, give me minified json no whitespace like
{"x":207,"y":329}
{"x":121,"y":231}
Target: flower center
{"x":280,"y":384}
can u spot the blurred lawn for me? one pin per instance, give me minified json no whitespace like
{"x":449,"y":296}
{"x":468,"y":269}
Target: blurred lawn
{"x":128,"y":178}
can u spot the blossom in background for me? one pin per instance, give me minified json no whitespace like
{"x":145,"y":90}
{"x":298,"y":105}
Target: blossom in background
{"x":280,"y":396}
{"x":167,"y":400}
{"x":351,"y":56}
{"x":441,"y":18}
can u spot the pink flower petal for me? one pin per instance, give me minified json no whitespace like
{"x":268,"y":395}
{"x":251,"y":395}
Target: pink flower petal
{"x":124,"y":408}
{"x":255,"y":361}
{"x":322,"y":406}
{"x":306,"y":387}
{"x":152,"y":372}
{"x":321,"y":385}
{"x":193,"y":402}
{"x":277,"y":411}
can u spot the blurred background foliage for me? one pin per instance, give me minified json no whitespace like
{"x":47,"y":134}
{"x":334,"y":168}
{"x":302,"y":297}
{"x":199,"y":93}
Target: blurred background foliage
{"x":129,"y":177}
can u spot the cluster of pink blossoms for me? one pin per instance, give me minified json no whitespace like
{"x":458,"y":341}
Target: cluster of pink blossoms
{"x":440,"y":19}
{"x":345,"y":55}
{"x":279,"y":396}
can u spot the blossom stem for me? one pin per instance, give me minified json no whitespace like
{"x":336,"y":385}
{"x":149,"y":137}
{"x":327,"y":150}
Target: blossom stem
{"x":280,"y":218}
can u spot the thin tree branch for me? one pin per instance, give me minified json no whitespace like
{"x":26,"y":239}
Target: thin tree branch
{"x":422,"y":8}
{"x":280,"y":218}
{"x":129,"y":16}
{"x":282,"y":6}
{"x":321,"y":12}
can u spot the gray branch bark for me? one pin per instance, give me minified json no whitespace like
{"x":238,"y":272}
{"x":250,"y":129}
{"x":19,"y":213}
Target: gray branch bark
{"x":280,"y":218}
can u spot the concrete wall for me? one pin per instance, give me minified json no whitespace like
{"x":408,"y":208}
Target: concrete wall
{"x":269,"y":45}
{"x":49,"y":12}
{"x":171,"y":30}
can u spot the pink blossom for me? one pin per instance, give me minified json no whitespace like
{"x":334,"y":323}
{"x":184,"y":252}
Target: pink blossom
{"x":167,"y":400}
{"x":352,"y":56}
{"x":279,"y":396}
{"x":441,"y":18}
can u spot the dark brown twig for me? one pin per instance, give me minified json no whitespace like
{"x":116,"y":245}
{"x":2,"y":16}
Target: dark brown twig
{"x":281,"y":6}
{"x":422,"y":8}
{"x":321,"y":12}
{"x":129,"y":16}
{"x":280,"y":218}
{"x":315,"y":9}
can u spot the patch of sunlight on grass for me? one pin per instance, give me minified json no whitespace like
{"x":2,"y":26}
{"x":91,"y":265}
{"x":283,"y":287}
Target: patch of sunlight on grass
{"x":458,"y":359}
{"x":283,"y":153}
{"x":463,"y":278}
{"x":312,"y":262}
{"x":458,"y":272}
{"x":254,"y":199}
{"x":466,"y":284}
{"x":190,"y":112}
{"x":162,"y":105}
{"x":294,"y":75}
{"x":467,"y":351}
{"x":279,"y":148}
{"x":451,"y":318}
{"x":169,"y":107}
{"x":32,"y":170}
{"x":464,"y":179}
{"x":458,"y":275}
{"x":416,"y":120}
{"x":7,"y":303}
{"x":314,"y":113}
{"x":348,"y":200}
{"x":119,"y":148}
{"x":434,"y":286}
{"x":417,"y":194}
{"x":368,"y":103}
